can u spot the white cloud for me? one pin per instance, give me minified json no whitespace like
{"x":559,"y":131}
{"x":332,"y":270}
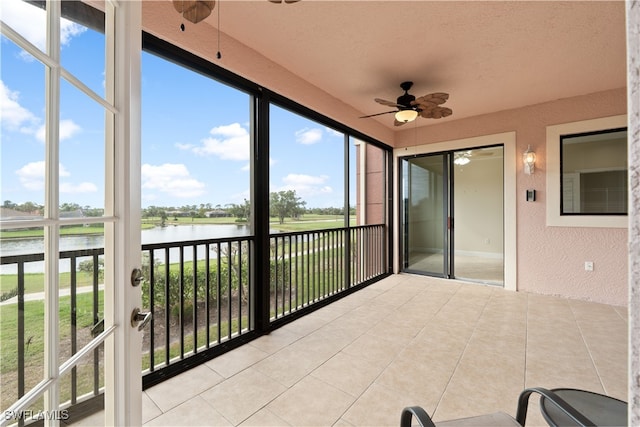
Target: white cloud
{"x":186,"y":147}
{"x":83,"y":187}
{"x":14,"y":116}
{"x":31,"y":177}
{"x":172,"y":179}
{"x":308,"y":136}
{"x":229,"y":142}
{"x":306,"y":185}
{"x":68,"y":129}
{"x":31,"y":22}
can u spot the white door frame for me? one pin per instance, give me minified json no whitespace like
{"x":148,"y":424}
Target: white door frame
{"x":508,"y":140}
{"x":123,"y":342}
{"x":123,"y":371}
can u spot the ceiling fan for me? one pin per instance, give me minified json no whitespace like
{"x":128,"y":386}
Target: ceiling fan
{"x":409,"y":107}
{"x":197,"y":10}
{"x":462,"y":158}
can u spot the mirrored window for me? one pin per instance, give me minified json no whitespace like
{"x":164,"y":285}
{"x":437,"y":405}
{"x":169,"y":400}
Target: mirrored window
{"x":594,"y":173}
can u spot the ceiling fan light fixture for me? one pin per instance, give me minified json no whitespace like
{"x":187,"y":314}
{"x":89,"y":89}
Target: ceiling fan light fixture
{"x":461,"y":161}
{"x":406,"y":116}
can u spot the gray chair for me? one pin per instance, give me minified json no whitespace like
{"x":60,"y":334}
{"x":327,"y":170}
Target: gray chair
{"x":498,"y":419}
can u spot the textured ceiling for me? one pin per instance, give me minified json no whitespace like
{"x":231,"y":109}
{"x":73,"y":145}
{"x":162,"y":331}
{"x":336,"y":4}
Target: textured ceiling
{"x":489,"y":56}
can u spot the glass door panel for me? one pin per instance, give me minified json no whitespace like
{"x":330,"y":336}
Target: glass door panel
{"x":424,"y":215}
{"x":66,"y":175}
{"x":478,"y":211}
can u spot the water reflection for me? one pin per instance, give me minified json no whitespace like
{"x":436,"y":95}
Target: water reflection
{"x":155,"y":235}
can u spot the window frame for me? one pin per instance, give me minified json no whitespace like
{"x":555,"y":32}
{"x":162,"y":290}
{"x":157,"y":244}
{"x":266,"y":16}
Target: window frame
{"x":566,"y":138}
{"x":554,"y":216}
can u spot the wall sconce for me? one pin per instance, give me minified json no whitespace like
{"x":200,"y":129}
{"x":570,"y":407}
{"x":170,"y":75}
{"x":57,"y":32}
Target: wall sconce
{"x":529,"y":160}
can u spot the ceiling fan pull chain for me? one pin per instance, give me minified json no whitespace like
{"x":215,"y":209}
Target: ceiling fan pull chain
{"x":182,"y":23}
{"x":219,"y":55}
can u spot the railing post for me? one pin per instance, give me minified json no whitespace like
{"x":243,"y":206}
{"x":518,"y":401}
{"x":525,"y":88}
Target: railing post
{"x":260,"y":213}
{"x":74,"y":331}
{"x":21,"y":332}
{"x":96,"y":321}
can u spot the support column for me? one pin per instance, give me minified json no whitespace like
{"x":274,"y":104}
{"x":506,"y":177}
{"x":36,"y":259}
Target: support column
{"x":633,"y":114}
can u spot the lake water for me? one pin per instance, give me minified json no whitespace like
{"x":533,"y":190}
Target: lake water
{"x":179,"y":233}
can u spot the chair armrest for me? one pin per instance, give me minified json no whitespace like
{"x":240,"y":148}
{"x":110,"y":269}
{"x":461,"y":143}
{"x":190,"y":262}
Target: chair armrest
{"x":570,"y":411}
{"x":420,"y":414}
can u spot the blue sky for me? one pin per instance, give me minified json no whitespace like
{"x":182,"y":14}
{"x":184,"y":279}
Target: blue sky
{"x":195,"y":131}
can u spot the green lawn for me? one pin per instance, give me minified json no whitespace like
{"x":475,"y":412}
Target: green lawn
{"x":34,"y":343}
{"x":324,"y":277}
{"x":34,"y":282}
{"x":311,"y":222}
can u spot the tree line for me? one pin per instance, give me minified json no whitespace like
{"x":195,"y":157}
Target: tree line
{"x":38,"y":209}
{"x":282,"y":204}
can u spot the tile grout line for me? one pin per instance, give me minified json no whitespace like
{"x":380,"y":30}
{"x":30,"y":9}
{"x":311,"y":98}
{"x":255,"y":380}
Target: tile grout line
{"x":379,"y":374}
{"x":394,"y":358}
{"x":475,"y":328}
{"x":586,"y":345}
{"x":526,"y":342}
{"x":287,"y":388}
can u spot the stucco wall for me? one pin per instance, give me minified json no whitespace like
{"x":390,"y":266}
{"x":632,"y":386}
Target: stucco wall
{"x":550,"y":259}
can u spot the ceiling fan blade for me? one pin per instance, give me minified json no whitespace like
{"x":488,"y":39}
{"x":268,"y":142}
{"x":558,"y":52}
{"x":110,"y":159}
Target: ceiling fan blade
{"x":423,"y":105}
{"x":194,"y":10}
{"x":434,"y":98}
{"x":378,"y":114}
{"x":398,"y":123}
{"x":436,"y":113}
{"x":385,"y":102}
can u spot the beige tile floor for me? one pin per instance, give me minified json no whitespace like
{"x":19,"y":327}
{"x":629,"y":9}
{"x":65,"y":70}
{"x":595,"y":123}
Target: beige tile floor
{"x":456,"y":349}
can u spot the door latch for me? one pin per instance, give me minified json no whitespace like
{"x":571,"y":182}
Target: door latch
{"x":136,"y":277}
{"x":140,"y":319}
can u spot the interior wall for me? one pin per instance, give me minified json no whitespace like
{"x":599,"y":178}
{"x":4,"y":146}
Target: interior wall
{"x":550,"y":260}
{"x":477,"y":198}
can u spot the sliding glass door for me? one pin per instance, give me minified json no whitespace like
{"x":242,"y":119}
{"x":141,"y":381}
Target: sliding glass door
{"x":452,"y":214}
{"x":425,"y":206}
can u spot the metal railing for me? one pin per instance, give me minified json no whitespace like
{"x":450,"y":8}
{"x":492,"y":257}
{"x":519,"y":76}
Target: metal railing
{"x":201,"y":294}
{"x":21,"y":365}
{"x":310,"y":266}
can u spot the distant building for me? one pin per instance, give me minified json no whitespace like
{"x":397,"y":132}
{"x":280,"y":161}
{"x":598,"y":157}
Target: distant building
{"x":178,"y":214}
{"x":8,"y":214}
{"x":217,"y":213}
{"x":78,"y":213}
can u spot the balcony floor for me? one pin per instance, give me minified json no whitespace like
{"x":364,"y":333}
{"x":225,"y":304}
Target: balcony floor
{"x":456,"y":349}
